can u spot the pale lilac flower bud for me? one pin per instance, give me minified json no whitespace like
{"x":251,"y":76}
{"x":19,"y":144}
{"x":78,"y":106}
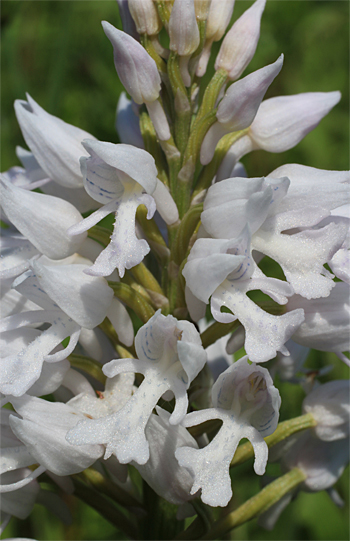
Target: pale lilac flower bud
{"x":240,"y":43}
{"x":282,"y":122}
{"x":219,"y":16}
{"x":136,"y":69}
{"x":239,"y":106}
{"x":183,"y":28}
{"x":201,"y":8}
{"x":329,"y":405}
{"x":145,"y":15}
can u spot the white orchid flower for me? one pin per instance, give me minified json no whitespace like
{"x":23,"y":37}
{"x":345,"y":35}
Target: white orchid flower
{"x":228,"y":273}
{"x":117,"y":176}
{"x":69,"y":300}
{"x":292,"y":197}
{"x":170,"y":356}
{"x":246,"y":401}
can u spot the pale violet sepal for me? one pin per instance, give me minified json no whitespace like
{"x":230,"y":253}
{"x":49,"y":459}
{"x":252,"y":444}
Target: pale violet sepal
{"x":162,"y":472}
{"x":323,"y":462}
{"x":240,"y":42}
{"x":55,"y":144}
{"x":42,"y":219}
{"x":326,"y":326}
{"x":76,"y":196}
{"x":18,"y":503}
{"x":329,"y":405}
{"x":247,"y":402}
{"x":170,"y":356}
{"x":282,"y":122}
{"x":127,"y":122}
{"x":239,"y":106}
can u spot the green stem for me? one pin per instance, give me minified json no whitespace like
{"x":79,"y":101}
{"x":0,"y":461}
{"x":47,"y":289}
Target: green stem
{"x":104,"y":485}
{"x":103,"y":505}
{"x":88,"y":365}
{"x":149,"y":137}
{"x":259,"y":503}
{"x":210,"y":170}
{"x":217,"y":330}
{"x":100,"y":234}
{"x":185,"y":231}
{"x":133,"y":299}
{"x":283,"y":431}
{"x":211,"y":93}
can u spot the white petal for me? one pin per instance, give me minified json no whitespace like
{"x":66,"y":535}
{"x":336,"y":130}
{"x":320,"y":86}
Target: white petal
{"x":165,"y":204}
{"x":265,"y":334}
{"x":282,"y":122}
{"x":42,"y":219}
{"x":120,"y":319}
{"x":55,"y":144}
{"x":86,"y":299}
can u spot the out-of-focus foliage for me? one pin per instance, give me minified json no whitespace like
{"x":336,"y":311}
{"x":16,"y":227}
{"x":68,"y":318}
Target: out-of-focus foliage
{"x":57,"y":51}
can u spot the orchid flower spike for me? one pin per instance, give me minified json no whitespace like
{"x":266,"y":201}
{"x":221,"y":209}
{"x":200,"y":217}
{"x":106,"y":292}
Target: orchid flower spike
{"x":246,"y":401}
{"x":170,"y":356}
{"x":117,"y":176}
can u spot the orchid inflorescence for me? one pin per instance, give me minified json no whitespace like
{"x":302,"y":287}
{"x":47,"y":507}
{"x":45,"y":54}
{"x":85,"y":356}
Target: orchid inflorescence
{"x":87,"y":400}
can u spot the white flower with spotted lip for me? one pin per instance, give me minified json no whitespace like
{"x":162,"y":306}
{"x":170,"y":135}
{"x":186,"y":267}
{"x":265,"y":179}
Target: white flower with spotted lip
{"x":228,"y":272}
{"x":117,"y":176}
{"x":170,"y":356}
{"x":246,"y":401}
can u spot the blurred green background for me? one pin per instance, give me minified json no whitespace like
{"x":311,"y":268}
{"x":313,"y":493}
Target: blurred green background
{"x":57,"y":51}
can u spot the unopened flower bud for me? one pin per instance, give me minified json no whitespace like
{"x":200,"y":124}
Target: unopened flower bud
{"x":240,"y":43}
{"x":219,"y":16}
{"x":136,"y":69}
{"x":239,"y":106}
{"x":283,"y":121}
{"x":146,"y":16}
{"x":183,"y":29}
{"x":201,"y":8}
